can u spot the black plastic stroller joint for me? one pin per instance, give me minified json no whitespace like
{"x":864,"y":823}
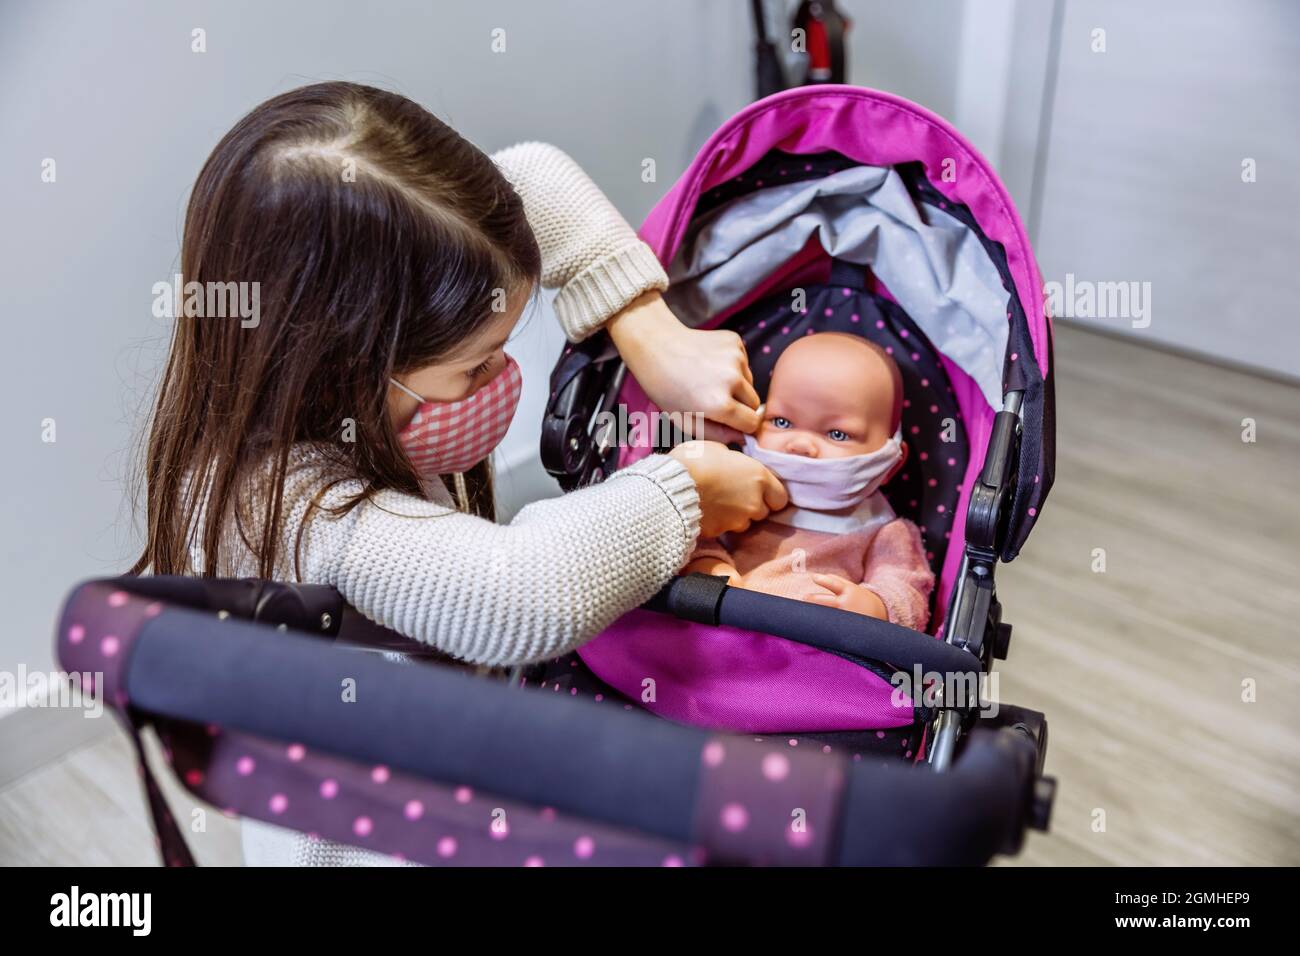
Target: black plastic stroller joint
{"x":571,"y":453}
{"x":692,"y":597}
{"x":974,"y":620}
{"x":310,"y":608}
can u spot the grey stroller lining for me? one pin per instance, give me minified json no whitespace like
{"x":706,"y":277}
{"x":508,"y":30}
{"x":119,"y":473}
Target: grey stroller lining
{"x":935,"y":267}
{"x":579,"y":380}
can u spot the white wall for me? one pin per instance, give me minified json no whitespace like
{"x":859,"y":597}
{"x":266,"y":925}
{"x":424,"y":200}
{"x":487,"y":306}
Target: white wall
{"x":911,"y":49}
{"x":1143,"y":174}
{"x":115,"y":96}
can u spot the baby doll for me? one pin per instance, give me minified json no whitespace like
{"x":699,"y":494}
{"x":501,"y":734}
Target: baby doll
{"x":831,"y":433}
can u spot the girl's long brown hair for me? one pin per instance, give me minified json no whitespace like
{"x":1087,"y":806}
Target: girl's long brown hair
{"x":377,"y":236}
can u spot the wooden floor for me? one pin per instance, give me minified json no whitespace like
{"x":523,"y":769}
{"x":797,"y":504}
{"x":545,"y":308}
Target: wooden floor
{"x":1142,"y":669}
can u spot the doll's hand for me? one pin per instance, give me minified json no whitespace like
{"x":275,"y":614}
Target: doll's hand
{"x":715,"y":566}
{"x":688,"y":370}
{"x":844,"y":594}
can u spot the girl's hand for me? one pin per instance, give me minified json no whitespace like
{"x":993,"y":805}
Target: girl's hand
{"x":688,"y":370}
{"x":716,"y":567}
{"x":734,"y":489}
{"x":844,"y":594}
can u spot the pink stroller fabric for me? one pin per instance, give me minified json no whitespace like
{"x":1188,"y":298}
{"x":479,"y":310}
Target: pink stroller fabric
{"x":746,"y":680}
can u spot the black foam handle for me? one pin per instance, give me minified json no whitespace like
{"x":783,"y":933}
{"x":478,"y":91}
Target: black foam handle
{"x":625,"y":768}
{"x":707,"y":600}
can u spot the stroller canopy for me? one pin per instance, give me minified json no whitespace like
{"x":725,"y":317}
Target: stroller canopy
{"x":912,"y":199}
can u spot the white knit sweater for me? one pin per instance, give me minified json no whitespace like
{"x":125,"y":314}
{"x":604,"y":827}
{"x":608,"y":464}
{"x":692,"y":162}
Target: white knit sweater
{"x":485,"y":593}
{"x":558,"y":573}
{"x":589,"y":252}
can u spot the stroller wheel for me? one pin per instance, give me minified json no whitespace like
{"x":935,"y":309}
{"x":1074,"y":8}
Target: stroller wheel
{"x":1031,"y":723}
{"x":1040,"y":808}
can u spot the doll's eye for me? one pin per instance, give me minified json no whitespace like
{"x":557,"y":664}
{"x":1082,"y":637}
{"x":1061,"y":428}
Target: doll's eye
{"x":780,"y":422}
{"x":837,"y":435}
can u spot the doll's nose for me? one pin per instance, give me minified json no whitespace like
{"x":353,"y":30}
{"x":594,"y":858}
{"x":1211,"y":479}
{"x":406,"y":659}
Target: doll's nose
{"x":802,"y":445}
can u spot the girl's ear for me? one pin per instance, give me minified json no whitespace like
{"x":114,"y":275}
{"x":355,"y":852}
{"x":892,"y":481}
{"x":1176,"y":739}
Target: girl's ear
{"x":902,"y":460}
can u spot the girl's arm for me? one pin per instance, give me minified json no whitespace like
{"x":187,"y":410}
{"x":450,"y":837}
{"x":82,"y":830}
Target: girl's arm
{"x":607,"y":276}
{"x":493,"y":594}
{"x":589,"y":252}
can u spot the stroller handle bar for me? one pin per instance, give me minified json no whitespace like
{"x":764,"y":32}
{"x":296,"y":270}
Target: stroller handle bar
{"x":624,"y":768}
{"x":708,"y":599}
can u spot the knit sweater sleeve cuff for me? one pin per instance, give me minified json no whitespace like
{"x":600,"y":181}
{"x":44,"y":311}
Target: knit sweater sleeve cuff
{"x":590,"y":253}
{"x":676,"y":482}
{"x":606,"y":287}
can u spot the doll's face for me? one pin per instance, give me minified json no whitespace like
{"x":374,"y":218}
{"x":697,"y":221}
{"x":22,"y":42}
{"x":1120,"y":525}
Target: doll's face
{"x":832,"y":395}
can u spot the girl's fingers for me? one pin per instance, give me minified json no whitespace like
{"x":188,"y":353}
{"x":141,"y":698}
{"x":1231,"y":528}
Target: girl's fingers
{"x":741,"y":417}
{"x":706,"y":429}
{"x":774,"y":494}
{"x":734,"y":341}
{"x":745,"y":394}
{"x":721,"y":433}
{"x":744,"y":364}
{"x":734,"y":415}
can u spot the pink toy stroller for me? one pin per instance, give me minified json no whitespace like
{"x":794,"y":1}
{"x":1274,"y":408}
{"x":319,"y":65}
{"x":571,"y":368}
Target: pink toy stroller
{"x":888,"y":225}
{"x":840,"y":209}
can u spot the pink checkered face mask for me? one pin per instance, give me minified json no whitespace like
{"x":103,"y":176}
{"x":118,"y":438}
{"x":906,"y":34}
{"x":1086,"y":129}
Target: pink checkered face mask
{"x":449,"y":437}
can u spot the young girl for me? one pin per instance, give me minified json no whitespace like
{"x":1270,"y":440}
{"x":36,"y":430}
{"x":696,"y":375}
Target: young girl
{"x":393,"y":259}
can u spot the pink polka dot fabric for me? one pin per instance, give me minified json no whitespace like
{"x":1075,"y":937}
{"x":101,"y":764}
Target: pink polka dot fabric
{"x":376,"y":807}
{"x":766,"y":807}
{"x":99,"y":624}
{"x":392,"y":812}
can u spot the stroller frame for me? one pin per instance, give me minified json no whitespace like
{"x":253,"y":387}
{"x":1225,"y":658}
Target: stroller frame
{"x":973,"y":623}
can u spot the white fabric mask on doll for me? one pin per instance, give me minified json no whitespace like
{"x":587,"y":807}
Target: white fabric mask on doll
{"x":829,"y":484}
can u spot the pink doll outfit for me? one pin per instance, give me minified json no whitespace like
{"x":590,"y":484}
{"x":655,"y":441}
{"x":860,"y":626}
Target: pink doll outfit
{"x":869,"y":545}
